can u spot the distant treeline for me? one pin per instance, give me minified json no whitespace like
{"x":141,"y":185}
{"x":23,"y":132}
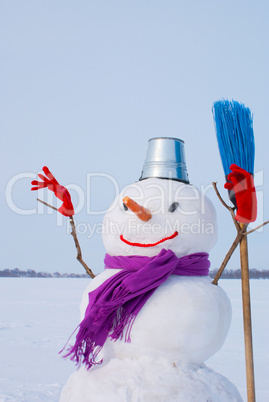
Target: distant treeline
{"x":236,"y":274}
{"x":30,"y":273}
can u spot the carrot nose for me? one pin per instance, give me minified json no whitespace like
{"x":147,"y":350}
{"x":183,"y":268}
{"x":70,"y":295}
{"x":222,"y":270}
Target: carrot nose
{"x":141,"y":212}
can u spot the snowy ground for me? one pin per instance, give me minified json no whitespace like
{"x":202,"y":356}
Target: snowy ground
{"x":38,"y":315}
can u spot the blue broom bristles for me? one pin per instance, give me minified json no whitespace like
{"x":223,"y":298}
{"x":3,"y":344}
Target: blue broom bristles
{"x":234,"y":129}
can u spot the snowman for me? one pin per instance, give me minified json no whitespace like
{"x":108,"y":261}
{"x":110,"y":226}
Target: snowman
{"x":152,"y":317}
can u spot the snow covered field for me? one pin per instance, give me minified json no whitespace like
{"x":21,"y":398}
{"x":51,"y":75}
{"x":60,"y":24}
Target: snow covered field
{"x":38,"y":315}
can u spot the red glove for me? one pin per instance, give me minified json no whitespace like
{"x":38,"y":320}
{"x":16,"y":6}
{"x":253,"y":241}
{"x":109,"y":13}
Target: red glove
{"x":242,"y":183}
{"x":61,"y":192}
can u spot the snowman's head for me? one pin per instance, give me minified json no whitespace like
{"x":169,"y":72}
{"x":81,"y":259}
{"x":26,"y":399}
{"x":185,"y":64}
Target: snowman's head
{"x":175,"y":216}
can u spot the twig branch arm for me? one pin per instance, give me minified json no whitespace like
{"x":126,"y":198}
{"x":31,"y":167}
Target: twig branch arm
{"x":74,"y":234}
{"x":79,"y":254}
{"x":241,"y":232}
{"x":230,"y":209}
{"x":258,"y":227}
{"x":236,"y":240}
{"x":227,"y":257}
{"x":47,"y":205}
{"x":214,"y":184}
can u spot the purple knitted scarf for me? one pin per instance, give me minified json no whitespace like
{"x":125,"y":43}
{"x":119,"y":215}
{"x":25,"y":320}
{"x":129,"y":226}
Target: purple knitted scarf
{"x":114,"y":305}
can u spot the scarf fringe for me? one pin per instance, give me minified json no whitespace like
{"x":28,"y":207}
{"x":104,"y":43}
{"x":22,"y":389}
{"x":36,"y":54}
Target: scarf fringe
{"x":86,"y":348}
{"x":84,"y":352}
{"x":124,"y":323}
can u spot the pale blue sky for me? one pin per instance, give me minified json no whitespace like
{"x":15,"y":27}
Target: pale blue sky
{"x":85,"y":84}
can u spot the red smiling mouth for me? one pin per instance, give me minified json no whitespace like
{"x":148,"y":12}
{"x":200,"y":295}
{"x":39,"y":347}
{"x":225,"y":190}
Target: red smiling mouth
{"x":148,"y":244}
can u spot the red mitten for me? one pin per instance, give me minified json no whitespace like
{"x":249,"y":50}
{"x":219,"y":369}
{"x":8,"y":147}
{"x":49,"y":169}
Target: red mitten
{"x":61,"y":192}
{"x":242,"y":183}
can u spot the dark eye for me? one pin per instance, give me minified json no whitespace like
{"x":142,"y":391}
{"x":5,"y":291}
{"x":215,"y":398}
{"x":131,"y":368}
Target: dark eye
{"x":125,"y":207}
{"x":173,"y":207}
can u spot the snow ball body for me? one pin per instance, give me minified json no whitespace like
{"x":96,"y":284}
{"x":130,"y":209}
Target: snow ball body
{"x":187,"y":318}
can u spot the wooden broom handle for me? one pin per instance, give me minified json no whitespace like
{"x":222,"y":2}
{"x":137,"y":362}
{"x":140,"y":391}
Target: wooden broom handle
{"x":247,"y":318}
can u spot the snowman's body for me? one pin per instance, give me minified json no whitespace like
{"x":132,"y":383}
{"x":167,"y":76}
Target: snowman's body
{"x":183,"y":323}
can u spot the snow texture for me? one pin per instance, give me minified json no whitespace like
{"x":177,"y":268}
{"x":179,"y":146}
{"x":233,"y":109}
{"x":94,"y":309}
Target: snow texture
{"x":38,"y":315}
{"x":146,"y":379}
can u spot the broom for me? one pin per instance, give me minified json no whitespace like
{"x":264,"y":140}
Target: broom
{"x":234,"y":130}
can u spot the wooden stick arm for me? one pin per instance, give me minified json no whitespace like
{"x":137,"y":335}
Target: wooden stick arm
{"x":74,"y":234}
{"x":227,"y":258}
{"x":237,"y":240}
{"x":79,"y":254}
{"x":241,"y":232}
{"x":258,"y":227}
